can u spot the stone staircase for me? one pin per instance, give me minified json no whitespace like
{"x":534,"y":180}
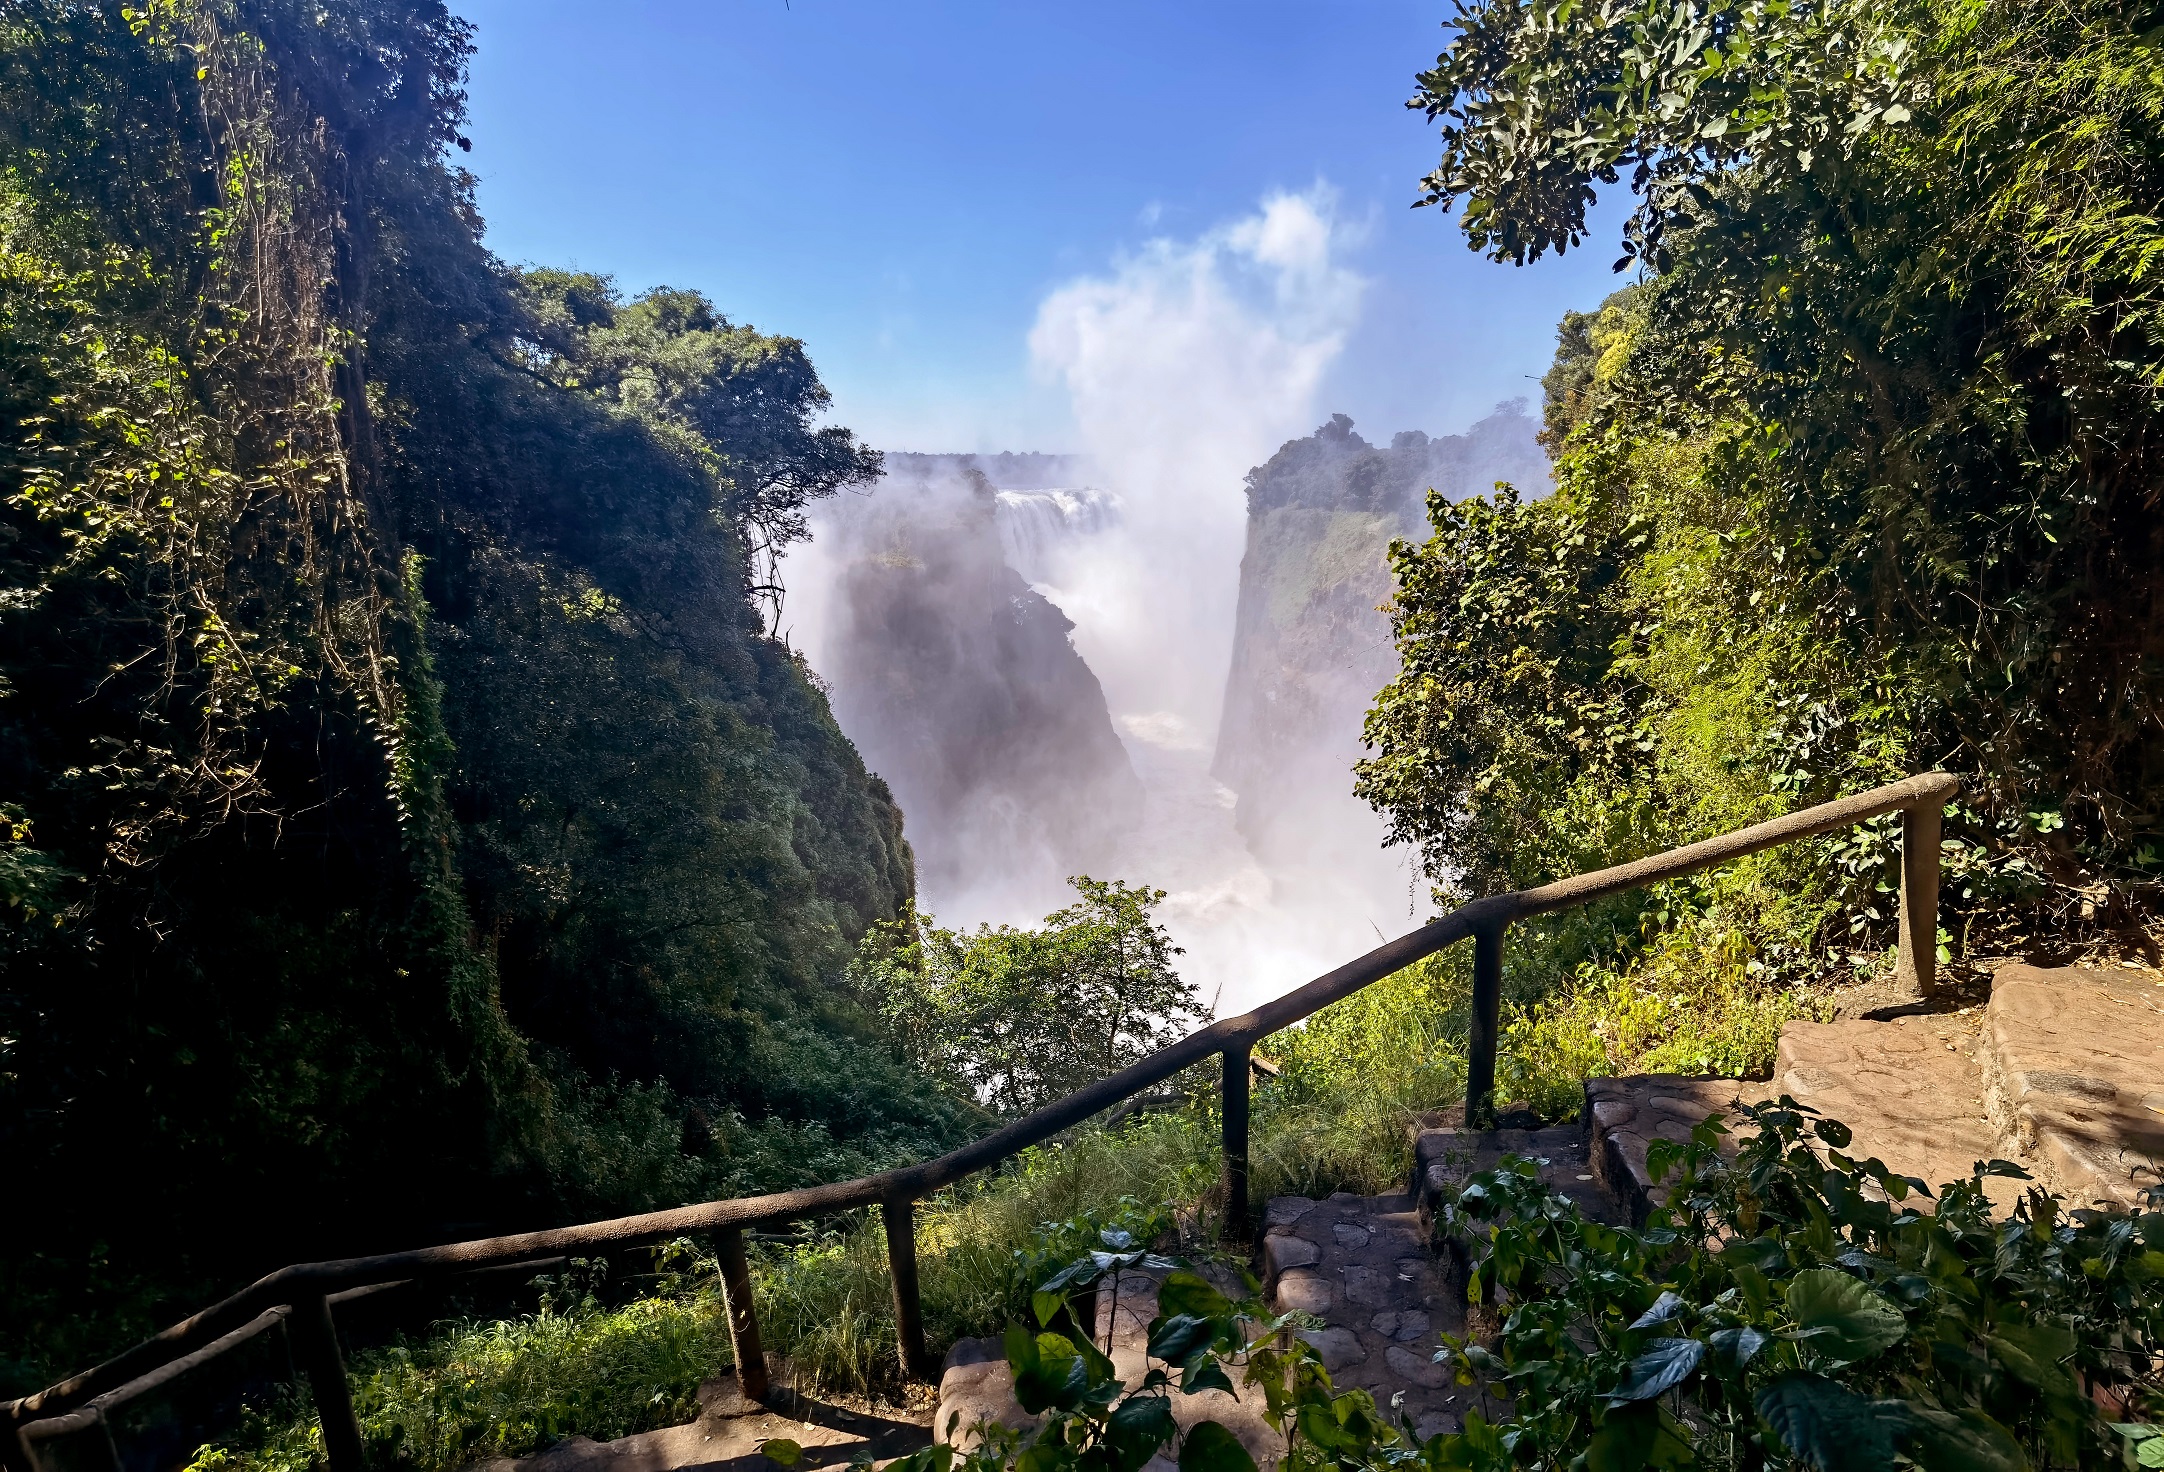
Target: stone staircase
{"x":2062,"y":1072}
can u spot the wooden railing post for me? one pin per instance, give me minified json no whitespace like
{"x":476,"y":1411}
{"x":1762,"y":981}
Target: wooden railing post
{"x":900,"y":1216}
{"x":1234,"y":1060}
{"x":743,"y":1316}
{"x":1487,"y":1021}
{"x":14,"y":1449}
{"x":1921,"y":830}
{"x":315,"y":1340}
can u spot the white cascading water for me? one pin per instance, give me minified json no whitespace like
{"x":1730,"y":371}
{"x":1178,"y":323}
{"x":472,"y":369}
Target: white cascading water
{"x":1036,"y":526}
{"x":1249,"y":933}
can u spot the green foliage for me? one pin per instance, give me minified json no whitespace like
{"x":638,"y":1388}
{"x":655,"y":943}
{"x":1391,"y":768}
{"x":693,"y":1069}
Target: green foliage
{"x":1354,"y":1079}
{"x":1799,"y":1307}
{"x":1902,"y":325}
{"x":983,"y":1247}
{"x":1198,"y":1339}
{"x":589,"y":1363}
{"x":1540,"y":102}
{"x":477,"y":1389}
{"x":399,"y":785}
{"x":1019,"y":1018}
{"x":1687,"y":1004}
{"x":739,"y":401}
{"x":1791,"y":1307}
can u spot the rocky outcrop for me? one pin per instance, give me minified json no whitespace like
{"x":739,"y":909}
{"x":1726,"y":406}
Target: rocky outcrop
{"x":1311,"y":646}
{"x":960,"y":686}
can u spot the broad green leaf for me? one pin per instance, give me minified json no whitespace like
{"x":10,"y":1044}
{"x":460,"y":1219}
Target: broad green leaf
{"x":1826,"y":1426}
{"x":1184,"y":1293}
{"x":1665,"y":1364}
{"x":1081,"y":1271}
{"x":1203,"y":1372}
{"x":1734,"y":1348}
{"x":1137,"y":1427}
{"x":2036,"y":1354}
{"x":1942,"y":1441}
{"x":1636,"y":1437}
{"x":1665,"y":1307}
{"x":1209,"y":1447}
{"x":1177,"y":1337}
{"x":1841,"y":1317}
{"x":1020,"y":1346}
{"x":1056,"y":1379}
{"x":2145,"y":1443}
{"x":781,"y":1451}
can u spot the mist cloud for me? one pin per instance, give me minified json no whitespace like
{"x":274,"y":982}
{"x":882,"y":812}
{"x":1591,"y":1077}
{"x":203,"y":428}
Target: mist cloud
{"x":1187,"y":363}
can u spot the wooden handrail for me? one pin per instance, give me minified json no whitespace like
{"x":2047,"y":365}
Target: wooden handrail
{"x":307,"y":1290}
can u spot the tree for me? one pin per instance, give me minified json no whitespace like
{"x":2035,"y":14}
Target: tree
{"x":1019,"y":1018}
{"x":396,"y":780}
{"x":1898,"y":341}
{"x":740,"y":401}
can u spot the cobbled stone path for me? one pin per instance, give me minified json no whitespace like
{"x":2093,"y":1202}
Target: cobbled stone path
{"x":1361,"y":1265}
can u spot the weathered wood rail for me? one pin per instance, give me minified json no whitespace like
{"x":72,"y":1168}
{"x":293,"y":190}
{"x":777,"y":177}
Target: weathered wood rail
{"x":304,"y":1295}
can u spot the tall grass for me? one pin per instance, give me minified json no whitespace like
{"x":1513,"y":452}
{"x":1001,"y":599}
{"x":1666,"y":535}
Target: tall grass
{"x":1690,"y":1004}
{"x":1354,"y":1079}
{"x":479,"y":1388}
{"x":829,"y":1305}
{"x":586,"y":1363}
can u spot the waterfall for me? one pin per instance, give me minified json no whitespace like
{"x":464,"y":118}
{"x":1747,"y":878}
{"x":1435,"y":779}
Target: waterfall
{"x":1035,"y":526}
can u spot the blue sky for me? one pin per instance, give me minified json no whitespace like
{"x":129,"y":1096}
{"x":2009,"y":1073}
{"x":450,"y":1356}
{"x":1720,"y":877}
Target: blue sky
{"x":904,"y":186}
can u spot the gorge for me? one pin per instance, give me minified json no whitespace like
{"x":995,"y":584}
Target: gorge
{"x":948,"y":609}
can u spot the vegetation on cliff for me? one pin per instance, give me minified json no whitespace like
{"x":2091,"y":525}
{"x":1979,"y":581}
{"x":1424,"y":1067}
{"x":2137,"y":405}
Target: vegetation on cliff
{"x":409,"y":828}
{"x":1310,"y":644}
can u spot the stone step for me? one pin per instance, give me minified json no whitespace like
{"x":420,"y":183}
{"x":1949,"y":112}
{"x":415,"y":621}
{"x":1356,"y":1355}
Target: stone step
{"x":2062,"y":1072}
{"x":1444,"y":1156}
{"x":2073,"y":1067}
{"x":1361,"y":1267}
{"x":728,"y":1433}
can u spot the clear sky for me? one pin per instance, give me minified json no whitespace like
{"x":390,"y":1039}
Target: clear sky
{"x":906,"y":185}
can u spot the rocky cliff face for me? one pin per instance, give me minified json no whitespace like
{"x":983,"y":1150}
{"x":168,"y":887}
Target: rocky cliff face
{"x":1311,"y":646}
{"x":958,"y":682}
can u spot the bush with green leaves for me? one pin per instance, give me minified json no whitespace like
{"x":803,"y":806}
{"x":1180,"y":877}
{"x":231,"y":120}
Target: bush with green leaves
{"x":1795,"y":1306}
{"x":1789,"y":1307}
{"x":1092,"y":1419}
{"x":1018,"y":1018}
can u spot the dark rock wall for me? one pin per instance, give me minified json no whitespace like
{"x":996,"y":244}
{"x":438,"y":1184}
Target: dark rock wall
{"x":960,"y":686}
{"x":1311,"y":645}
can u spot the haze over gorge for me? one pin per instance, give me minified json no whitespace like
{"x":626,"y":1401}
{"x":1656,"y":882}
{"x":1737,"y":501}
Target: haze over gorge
{"x":973,"y":616}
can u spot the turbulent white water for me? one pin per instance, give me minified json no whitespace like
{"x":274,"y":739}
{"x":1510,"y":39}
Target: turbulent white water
{"x":1035,"y":527}
{"x":1250,"y":931}
{"x":1251,"y":934}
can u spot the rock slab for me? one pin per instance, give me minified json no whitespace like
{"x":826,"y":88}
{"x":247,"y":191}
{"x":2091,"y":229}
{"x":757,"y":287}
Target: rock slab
{"x":2073,"y":1061}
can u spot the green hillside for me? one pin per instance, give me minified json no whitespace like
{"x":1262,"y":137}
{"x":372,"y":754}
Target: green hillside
{"x":410,"y":829}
